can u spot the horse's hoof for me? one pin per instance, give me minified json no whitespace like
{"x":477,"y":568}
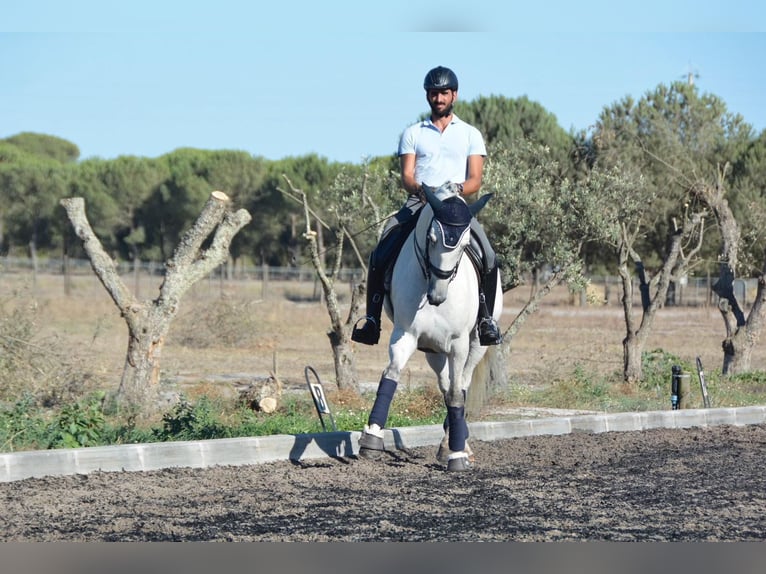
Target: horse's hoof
{"x":442,"y":455}
{"x":370,"y":453}
{"x":458,"y":464}
{"x":370,"y":446}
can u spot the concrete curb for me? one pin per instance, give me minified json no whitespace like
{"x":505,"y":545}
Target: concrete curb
{"x":257,"y":450}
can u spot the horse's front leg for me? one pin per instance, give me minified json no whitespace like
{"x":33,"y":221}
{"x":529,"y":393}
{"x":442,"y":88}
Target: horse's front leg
{"x":401,"y":348}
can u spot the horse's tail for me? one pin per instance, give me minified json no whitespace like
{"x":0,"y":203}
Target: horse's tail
{"x":488,"y":377}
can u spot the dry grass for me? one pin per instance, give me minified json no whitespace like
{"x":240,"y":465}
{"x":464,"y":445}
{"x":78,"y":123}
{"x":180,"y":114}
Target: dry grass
{"x":226,"y":331}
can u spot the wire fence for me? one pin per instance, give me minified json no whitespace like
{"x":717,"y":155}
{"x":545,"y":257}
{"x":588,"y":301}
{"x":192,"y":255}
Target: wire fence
{"x":602,"y":290}
{"x":239,"y":271}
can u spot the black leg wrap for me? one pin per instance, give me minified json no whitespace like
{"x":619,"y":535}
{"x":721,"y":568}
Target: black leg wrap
{"x":379,"y":412}
{"x":458,"y":428}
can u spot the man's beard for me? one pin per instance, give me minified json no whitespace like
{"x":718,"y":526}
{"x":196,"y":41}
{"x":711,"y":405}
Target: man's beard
{"x":436,"y":113}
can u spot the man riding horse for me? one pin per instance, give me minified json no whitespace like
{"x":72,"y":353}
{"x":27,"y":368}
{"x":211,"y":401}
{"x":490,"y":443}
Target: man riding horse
{"x":432,"y":152}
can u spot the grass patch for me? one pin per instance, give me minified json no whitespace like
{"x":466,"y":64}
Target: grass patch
{"x":25,"y":425}
{"x":28,"y":424}
{"x":584,"y":390}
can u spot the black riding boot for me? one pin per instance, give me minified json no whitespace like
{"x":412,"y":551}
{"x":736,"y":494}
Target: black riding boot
{"x":489,"y":332}
{"x":369,"y":333}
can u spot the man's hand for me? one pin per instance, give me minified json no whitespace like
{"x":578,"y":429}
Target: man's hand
{"x":453,"y":188}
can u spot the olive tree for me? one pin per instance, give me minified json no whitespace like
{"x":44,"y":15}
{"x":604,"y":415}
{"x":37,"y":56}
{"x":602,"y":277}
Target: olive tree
{"x":682,"y":143}
{"x":149,"y":321}
{"x":541,"y":222}
{"x":355,"y":197}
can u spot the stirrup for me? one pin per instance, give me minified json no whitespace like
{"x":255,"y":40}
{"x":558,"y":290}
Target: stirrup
{"x":489,"y":334}
{"x":367,"y":334}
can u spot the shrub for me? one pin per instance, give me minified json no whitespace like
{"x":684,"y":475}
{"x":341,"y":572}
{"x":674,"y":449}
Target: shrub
{"x":22,"y":426}
{"x":79,"y":424}
{"x":187,"y":421}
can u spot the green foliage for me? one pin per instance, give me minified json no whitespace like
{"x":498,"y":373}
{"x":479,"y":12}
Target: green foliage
{"x":187,"y":421}
{"x":738,"y":390}
{"x":676,"y":138}
{"x":296,"y":415}
{"x":22,"y":427}
{"x":29,"y":195}
{"x":79,"y":424}
{"x":748,"y":202}
{"x":26,"y":426}
{"x":583,"y":389}
{"x":664,"y":141}
{"x":506,"y":121}
{"x":45,"y":146}
{"x":657,"y":368}
{"x":360,"y":200}
{"x":539,"y":220}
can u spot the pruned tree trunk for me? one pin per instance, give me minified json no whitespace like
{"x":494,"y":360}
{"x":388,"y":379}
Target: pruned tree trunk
{"x":742,"y":333}
{"x":653,"y":292}
{"x":738,"y":349}
{"x":148,"y":321}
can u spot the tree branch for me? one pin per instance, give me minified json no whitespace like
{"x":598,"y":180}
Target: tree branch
{"x":103,"y":265}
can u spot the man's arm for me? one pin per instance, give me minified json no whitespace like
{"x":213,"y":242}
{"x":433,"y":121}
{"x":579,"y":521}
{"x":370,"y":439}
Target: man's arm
{"x":475,"y":168}
{"x":407,"y":164}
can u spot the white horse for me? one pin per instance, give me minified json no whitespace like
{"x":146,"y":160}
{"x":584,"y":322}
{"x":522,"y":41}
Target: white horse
{"x":434,"y":303}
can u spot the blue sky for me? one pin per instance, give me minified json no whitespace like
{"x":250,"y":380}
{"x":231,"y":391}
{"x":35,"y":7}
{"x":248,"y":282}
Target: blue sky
{"x":343,"y":79}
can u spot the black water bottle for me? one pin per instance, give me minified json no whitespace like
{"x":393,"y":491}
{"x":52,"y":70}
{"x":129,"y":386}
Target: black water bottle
{"x":675,"y":384}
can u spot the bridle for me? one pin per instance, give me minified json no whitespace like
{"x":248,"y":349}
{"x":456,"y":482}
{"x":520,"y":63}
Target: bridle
{"x":423,"y":253}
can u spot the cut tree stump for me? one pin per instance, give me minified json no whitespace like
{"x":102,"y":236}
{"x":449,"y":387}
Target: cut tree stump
{"x":264,"y":394}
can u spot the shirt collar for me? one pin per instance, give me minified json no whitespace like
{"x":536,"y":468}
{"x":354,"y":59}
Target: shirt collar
{"x":427,"y":122}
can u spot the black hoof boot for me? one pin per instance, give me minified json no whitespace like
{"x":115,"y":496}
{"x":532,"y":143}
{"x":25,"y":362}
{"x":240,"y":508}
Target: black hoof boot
{"x":459,"y":464}
{"x":367,"y":334}
{"x":489,"y":333}
{"x":370,"y":446}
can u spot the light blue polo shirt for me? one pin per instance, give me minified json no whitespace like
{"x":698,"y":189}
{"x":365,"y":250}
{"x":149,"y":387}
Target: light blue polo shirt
{"x":441,"y":156}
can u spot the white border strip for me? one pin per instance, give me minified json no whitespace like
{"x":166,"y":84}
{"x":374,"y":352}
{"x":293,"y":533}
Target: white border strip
{"x":256,"y":450}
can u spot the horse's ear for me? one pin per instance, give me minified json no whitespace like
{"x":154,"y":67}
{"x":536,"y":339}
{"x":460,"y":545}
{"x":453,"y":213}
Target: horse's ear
{"x":433,"y":201}
{"x":477,"y":205}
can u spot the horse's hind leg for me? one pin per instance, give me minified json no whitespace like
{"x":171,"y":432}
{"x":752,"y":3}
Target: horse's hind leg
{"x":443,"y":454}
{"x":457,"y":439}
{"x":454,"y":451}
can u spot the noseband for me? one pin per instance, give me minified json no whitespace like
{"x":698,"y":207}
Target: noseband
{"x":451,"y":223}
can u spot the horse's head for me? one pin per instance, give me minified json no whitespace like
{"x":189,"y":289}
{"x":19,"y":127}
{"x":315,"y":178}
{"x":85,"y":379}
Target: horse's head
{"x":436,"y":195}
{"x":447,"y":237}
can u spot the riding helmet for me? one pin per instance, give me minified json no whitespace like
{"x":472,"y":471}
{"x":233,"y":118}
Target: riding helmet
{"x":440,"y":78}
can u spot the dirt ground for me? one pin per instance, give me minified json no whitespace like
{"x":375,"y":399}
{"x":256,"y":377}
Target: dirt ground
{"x":659,"y":485}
